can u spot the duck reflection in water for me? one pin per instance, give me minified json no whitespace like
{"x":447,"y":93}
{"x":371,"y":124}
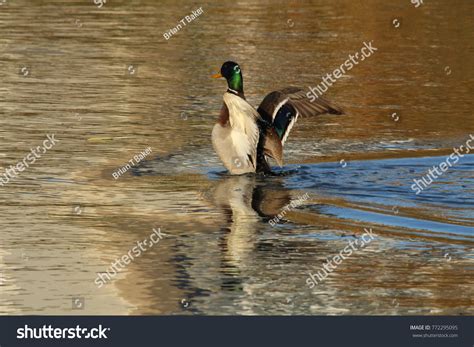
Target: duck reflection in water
{"x":247,"y":201}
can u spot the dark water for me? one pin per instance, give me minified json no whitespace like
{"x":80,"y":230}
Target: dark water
{"x":66,"y":69}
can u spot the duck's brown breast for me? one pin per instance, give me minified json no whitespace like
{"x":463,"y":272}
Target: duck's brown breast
{"x":224,"y":115}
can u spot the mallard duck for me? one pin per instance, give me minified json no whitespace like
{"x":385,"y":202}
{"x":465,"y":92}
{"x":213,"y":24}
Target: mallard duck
{"x":244,"y":137}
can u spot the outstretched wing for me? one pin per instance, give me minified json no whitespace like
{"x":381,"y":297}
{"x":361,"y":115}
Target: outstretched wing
{"x":243,"y":135}
{"x":281,"y":108}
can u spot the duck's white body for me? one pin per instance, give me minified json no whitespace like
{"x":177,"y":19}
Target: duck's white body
{"x":236,"y":142}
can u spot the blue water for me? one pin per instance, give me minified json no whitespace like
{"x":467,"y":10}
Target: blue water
{"x":389,"y":182}
{"x":387,"y":185}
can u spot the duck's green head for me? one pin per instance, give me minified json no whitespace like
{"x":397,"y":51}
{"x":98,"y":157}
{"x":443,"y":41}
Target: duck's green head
{"x":232,"y":73}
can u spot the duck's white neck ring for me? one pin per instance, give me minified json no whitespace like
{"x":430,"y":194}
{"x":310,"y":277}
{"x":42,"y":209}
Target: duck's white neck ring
{"x":232,"y":91}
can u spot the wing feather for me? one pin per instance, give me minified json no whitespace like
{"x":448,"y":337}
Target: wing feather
{"x":281,"y":108}
{"x":245,"y":132}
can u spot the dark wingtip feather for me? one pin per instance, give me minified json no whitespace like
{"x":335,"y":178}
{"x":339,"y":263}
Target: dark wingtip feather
{"x":335,"y":110}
